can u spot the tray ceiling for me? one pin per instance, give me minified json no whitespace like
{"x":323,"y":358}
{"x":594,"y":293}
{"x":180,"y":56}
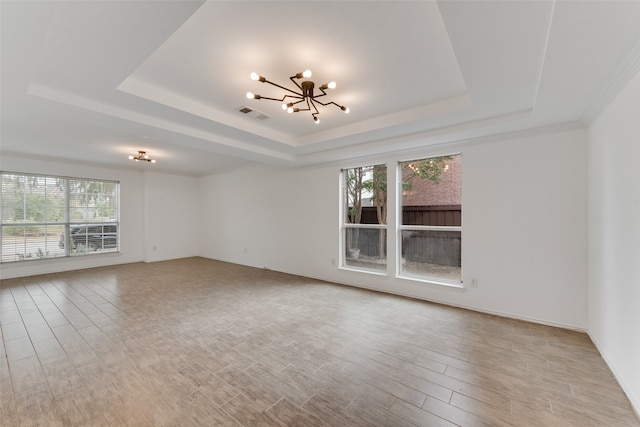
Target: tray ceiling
{"x":104,"y":79}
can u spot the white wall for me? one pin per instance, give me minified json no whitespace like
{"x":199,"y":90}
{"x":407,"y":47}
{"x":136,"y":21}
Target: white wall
{"x":525,"y":218}
{"x":614,"y":237}
{"x":138,"y":232}
{"x":530,"y":262}
{"x":172,"y":216}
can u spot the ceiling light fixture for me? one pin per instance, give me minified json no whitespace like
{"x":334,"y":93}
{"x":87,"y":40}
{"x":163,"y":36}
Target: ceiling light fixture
{"x":142,"y":157}
{"x":305,"y":94}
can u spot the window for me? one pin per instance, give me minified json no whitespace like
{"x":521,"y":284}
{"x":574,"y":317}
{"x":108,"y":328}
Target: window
{"x":49,"y":217}
{"x":364,"y":218}
{"x":431,"y":220}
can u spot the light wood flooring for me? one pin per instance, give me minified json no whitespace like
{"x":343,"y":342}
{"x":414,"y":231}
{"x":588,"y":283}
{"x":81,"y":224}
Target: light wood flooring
{"x":201,"y":342}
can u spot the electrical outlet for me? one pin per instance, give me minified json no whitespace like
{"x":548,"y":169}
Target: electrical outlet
{"x":333,"y":261}
{"x":474,"y":282}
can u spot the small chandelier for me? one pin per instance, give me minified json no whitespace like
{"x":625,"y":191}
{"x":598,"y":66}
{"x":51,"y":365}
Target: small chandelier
{"x":305,"y":94}
{"x":142,"y":157}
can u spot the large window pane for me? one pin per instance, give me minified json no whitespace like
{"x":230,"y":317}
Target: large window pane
{"x":366,"y":249}
{"x":431,"y":222}
{"x":32,"y":199}
{"x":86,"y":238}
{"x":432,"y":253}
{"x":93,"y":210}
{"x":22,"y":243}
{"x":92,"y":200}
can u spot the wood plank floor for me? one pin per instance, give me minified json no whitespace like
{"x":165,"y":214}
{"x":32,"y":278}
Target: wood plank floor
{"x":201,"y":342}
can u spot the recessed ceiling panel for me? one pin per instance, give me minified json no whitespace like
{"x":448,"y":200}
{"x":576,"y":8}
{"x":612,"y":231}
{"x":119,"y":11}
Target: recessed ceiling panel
{"x":384,"y":56}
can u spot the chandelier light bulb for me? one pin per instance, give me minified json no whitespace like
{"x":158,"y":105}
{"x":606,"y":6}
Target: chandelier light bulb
{"x":130,"y":157}
{"x":153,"y":160}
{"x":290,"y":110}
{"x":316,"y":120}
{"x":330,"y":85}
{"x":254,"y":76}
{"x":306,"y":74}
{"x":250,"y":95}
{"x":285,"y":106}
{"x":345,"y":109}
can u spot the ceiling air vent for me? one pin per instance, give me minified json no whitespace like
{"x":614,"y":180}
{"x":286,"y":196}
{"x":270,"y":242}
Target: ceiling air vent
{"x":258,"y":115}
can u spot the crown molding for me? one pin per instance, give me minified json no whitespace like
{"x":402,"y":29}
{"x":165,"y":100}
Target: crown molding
{"x":627,"y":70}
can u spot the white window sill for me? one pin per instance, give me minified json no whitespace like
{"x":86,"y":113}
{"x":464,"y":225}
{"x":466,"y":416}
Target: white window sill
{"x":435,"y":282}
{"x":364,"y":270}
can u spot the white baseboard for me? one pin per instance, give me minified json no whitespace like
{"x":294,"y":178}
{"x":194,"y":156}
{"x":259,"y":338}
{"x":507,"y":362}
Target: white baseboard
{"x":633,"y":399}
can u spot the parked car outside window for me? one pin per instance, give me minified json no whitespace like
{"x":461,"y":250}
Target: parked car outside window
{"x":92,"y":236}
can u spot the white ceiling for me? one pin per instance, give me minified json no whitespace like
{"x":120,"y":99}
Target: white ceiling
{"x":99,"y":80}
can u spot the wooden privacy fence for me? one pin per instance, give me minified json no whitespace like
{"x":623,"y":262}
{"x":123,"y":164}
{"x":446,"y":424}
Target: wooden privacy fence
{"x":437,"y":247}
{"x":442,"y":216}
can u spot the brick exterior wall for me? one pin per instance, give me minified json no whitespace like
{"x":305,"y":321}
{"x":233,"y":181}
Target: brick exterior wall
{"x":447,"y":192}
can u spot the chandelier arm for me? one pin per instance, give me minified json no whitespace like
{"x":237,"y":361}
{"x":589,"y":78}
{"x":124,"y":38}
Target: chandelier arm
{"x":272,"y":99}
{"x":296,"y":83}
{"x":284,"y":88}
{"x":314,"y":115}
{"x":303,"y":109}
{"x":311,"y":101}
{"x":329,"y":103}
{"x":298,"y":109}
{"x":298,"y":102}
{"x":301,"y":98}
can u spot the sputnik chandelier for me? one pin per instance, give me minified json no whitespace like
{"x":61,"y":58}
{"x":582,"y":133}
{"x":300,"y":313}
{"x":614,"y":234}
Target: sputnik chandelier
{"x":304,"y":95}
{"x":142,"y":157}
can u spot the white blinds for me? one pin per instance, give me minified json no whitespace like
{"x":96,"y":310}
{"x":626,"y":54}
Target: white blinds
{"x":50,"y":216}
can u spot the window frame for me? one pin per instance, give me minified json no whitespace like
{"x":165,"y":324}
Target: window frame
{"x":394,"y":227}
{"x":400,"y":227}
{"x":67,"y":223}
{"x":344,"y":226}
{"x":343,"y":257}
